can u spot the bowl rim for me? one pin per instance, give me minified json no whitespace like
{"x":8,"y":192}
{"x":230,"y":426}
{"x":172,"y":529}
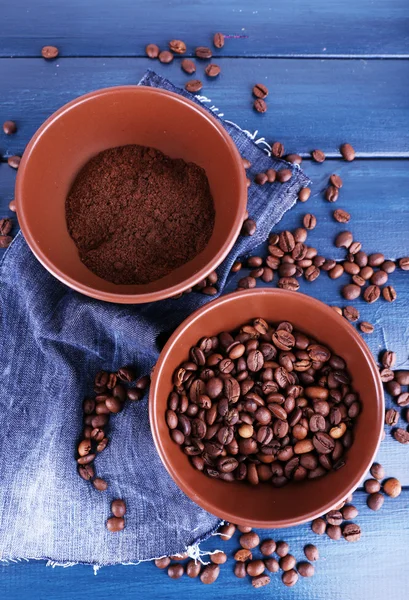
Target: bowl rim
{"x":121,"y":297}
{"x":183,"y":484}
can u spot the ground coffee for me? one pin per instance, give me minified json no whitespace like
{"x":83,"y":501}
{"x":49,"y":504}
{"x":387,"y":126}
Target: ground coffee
{"x":136,"y":215}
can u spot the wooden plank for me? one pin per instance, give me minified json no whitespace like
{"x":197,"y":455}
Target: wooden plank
{"x":375,"y":567}
{"x":376,"y":194}
{"x":312,"y":103}
{"x":265,"y":28}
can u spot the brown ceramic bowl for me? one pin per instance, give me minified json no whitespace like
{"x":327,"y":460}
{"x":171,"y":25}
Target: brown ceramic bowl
{"x":115,"y":117}
{"x":264,"y":505}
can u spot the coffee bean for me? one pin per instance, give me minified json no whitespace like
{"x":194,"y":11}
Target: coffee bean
{"x":240,"y":570}
{"x":267,"y":547}
{"x":249,"y":540}
{"x":391,"y":417}
{"x":331,"y":193}
{"x":401,"y":436}
{"x":377,"y":471}
{"x":162,"y":563}
{"x":126,"y":374}
{"x":371,"y":294}
{"x":260,"y":91}
{"x":86,"y":472}
{"x":271,"y":565}
{"x":289,"y":578}
{"x":309,"y":221}
{"x":288,"y":283}
{"x":260,"y":581}
{"x":375,"y":501}
{"x":351,"y":313}
{"x":175,"y":571}
{"x":336,"y":272}
{"x":318,"y":156}
{"x":6,"y":226}
{"x":277,"y":149}
{"x":334,"y":517}
{"x":388,"y":359}
{"x":165,"y":57}
{"x":347,"y":151}
{"x":5,"y":241}
{"x":247,"y":283}
{"x":389,"y":293}
{"x":203,"y":52}
{"x":404,"y":263}
{"x":218,"y":558}
{"x":366,"y":273}
{"x":379,"y":278}
{"x":212,"y":70}
{"x":376,"y":259}
{"x":100,"y":484}
{"x":115,"y":524}
{"x":271,"y":175}
{"x":227,"y":531}
{"x":188,"y":66}
{"x":311,"y":552}
{"x":336,"y":180}
{"x":312,"y":273}
{"x":319,"y":526}
{"x":344,"y":239}
{"x":371,"y":486}
{"x":260,"y":178}
{"x":392,"y":487}
{"x":342,"y":216}
{"x":193,"y":86}
{"x":284,"y":175}
{"x":294,"y":159}
{"x":209,"y":574}
{"x":118,"y":508}
{"x":358,"y":280}
{"x":304,"y":194}
{"x":388,"y":266}
{"x":255,"y":568}
{"x":243,"y":555}
{"x":305,"y":569}
{"x":351,"y":268}
{"x":177,"y":46}
{"x":152,"y":50}
{"x":349,"y":512}
{"x":282,"y":549}
{"x":334,"y":532}
{"x":9,"y":127}
{"x":218,"y":40}
{"x":12,"y":206}
{"x":14,"y":161}
{"x":287,"y":562}
{"x":402,"y":377}
{"x":249,"y":227}
{"x":237,"y":265}
{"x":352,"y":291}
{"x":403,"y":399}
{"x":351,"y":532}
{"x":49,"y":52}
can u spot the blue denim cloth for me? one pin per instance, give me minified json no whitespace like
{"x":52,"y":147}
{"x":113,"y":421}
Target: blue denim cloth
{"x":54,"y":340}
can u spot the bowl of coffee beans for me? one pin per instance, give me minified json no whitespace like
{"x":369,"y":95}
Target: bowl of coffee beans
{"x":120,"y":196}
{"x":266,"y":408}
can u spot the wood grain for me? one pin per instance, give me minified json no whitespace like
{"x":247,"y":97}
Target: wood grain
{"x":371,"y":110}
{"x":262,"y":28}
{"x":375,"y":567}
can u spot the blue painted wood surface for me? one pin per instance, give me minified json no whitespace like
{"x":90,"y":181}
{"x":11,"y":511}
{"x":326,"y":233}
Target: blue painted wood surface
{"x":313,"y":102}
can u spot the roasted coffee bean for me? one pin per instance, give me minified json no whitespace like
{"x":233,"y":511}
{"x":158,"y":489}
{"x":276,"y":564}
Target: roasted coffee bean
{"x":209,"y":574}
{"x":401,"y":436}
{"x":6,"y":226}
{"x":287,"y":562}
{"x":311,"y":273}
{"x":389,"y":293}
{"x":392,"y":487}
{"x":86,"y":472}
{"x":288,"y":283}
{"x":240,"y":570}
{"x":311,"y":552}
{"x":100,"y":484}
{"x":218,"y":558}
{"x":193,"y":569}
{"x":304,"y":194}
{"x":344,"y":239}
{"x":282,"y":549}
{"x":334,"y":532}
{"x":336,"y":180}
{"x":294,"y":159}
{"x":227,"y":531}
{"x":9,"y":127}
{"x":203,"y":52}
{"x":352,"y":291}
{"x":319,"y":526}
{"x":375,"y":501}
{"x":212,"y":70}
{"x":260,"y":581}
{"x":249,"y":227}
{"x":260,"y":91}
{"x":277,"y":149}
{"x":376,"y":259}
{"x":271,"y":565}
{"x":152,"y":51}
{"x":358,"y":280}
{"x":162,"y":563}
{"x":289,"y":578}
{"x":366,"y":327}
{"x":49,"y":52}
{"x":267,"y":547}
{"x":309,"y":221}
{"x":336,"y":272}
{"x":177,"y":46}
{"x":271,"y":175}
{"x":126,"y":374}
{"x":331,"y":193}
{"x":249,"y":540}
{"x":14,"y":161}
{"x":260,"y":179}
{"x":372,"y":293}
{"x":237,"y":265}
{"x":218,"y":40}
{"x":318,"y":156}
{"x":388,"y":266}
{"x":188,"y":66}
{"x":388,"y":359}
{"x":102,"y":444}
{"x":351,"y":313}
{"x":305,"y":569}
{"x":255,"y":568}
{"x":334,"y":517}
{"x":176,"y":571}
{"x":115,"y":524}
{"x":113,"y":405}
{"x":349,"y":512}
{"x":165,"y":57}
{"x":347,"y":151}
{"x":379,"y":278}
{"x":243,"y":555}
{"x":284,"y":175}
{"x":377,"y":471}
{"x":404,"y":263}
{"x":402,"y":377}
{"x":403,"y":399}
{"x":193,"y":86}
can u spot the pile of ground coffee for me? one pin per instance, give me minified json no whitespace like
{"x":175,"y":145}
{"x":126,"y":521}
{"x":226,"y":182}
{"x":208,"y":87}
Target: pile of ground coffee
{"x":136,"y":215}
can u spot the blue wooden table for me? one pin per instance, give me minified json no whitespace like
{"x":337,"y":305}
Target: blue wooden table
{"x":337,"y":71}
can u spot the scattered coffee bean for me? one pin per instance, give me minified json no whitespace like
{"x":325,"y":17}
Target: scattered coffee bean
{"x":311,"y":552}
{"x":193,"y":86}
{"x":349,"y":512}
{"x":342,"y":216}
{"x":351,"y":291}
{"x":5,"y":241}
{"x":240,"y":570}
{"x":277,"y":149}
{"x":218,"y":40}
{"x":243,"y":555}
{"x":100,"y":484}
{"x":260,"y":178}
{"x":305,"y":569}
{"x":6,"y":226}
{"x":388,"y":266}
{"x":212,"y":70}
{"x":284,"y":175}
{"x":377,"y":471}
{"x":260,"y":105}
{"x":177,"y":46}
{"x":389,"y":293}
{"x":319,"y":526}
{"x":12,"y":206}
{"x":255,"y":568}
{"x":152,"y":51}
{"x":49,"y":52}
{"x":86,"y":472}
{"x":176,"y":571}
{"x":115,"y":524}
{"x":287,"y":562}
{"x":401,"y":436}
{"x":209,"y":574}
{"x":165,"y":57}
{"x":334,"y":532}
{"x":289,"y":578}
{"x":218,"y":558}
{"x":267,"y":547}
{"x":162,"y":563}
{"x":260,"y":581}
{"x":249,"y":540}
{"x":309,"y":221}
{"x":294,"y":159}
{"x":391,"y":417}
{"x":372,"y":486}
{"x":403,"y":399}
{"x":227,"y":531}
{"x":366,"y":327}
{"x":336,"y":181}
{"x":282,"y":549}
{"x":375,"y":501}
{"x":334,"y":517}
{"x":392,"y":487}
{"x":188,"y":66}
{"x":347,"y":151}
{"x":372,"y":293}
{"x":344,"y":239}
{"x":249,"y":227}
{"x":203,"y":52}
{"x":272,"y":565}
{"x":388,"y":359}
{"x":379,"y":278}
{"x":14,"y":161}
{"x":351,"y":313}
{"x":404,"y":263}
{"x":271,"y":175}
{"x":118,"y":508}
{"x":376,"y":259}
{"x":402,"y":377}
{"x":331,"y":193}
{"x":351,"y":532}
{"x":9,"y":127}
{"x":260,"y":91}
{"x":336,"y":272}
{"x":304,"y":194}
{"x":318,"y":156}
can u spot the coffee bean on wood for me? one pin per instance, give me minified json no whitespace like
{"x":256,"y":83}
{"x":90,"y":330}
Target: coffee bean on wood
{"x":152,"y":51}
{"x":218,"y":40}
{"x":9,"y":127}
{"x":49,"y":52}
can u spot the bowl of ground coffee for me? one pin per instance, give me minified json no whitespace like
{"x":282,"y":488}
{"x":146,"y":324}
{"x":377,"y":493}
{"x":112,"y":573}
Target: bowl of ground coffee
{"x":131,"y":194}
{"x":266,"y":408}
